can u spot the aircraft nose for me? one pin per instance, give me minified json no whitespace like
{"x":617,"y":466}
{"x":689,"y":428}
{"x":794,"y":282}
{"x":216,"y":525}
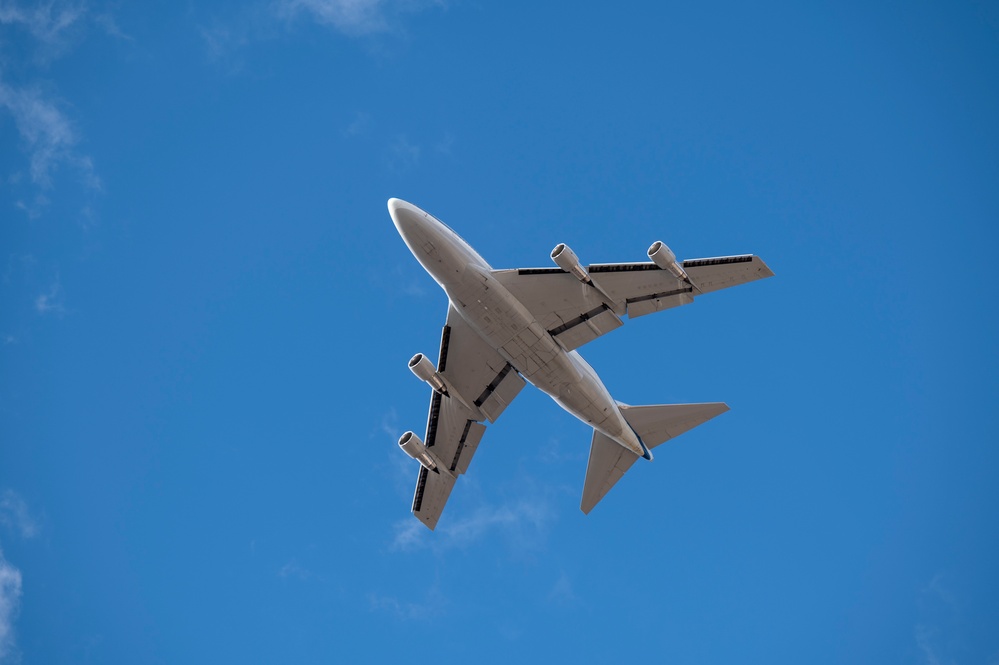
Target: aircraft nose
{"x":404,"y":215}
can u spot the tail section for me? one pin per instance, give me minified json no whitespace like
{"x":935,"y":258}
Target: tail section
{"x":659,"y":423}
{"x":654,"y":425}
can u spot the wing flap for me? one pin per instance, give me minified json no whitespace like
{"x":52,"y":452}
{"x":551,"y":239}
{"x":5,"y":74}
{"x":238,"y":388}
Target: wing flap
{"x":466,"y":448}
{"x":586,"y":327}
{"x":657,"y":302}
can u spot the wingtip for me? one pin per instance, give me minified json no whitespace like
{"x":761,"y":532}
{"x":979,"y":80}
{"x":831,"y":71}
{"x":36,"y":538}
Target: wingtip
{"x":765,"y":270}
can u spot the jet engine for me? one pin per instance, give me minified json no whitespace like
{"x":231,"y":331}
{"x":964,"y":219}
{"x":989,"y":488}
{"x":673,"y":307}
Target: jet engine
{"x":426,"y":371}
{"x":413,"y":446}
{"x":663,"y":257}
{"x":566,"y":259}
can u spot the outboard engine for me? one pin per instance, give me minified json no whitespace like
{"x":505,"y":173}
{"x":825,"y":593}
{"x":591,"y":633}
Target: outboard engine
{"x":413,"y":446}
{"x":664,"y":257}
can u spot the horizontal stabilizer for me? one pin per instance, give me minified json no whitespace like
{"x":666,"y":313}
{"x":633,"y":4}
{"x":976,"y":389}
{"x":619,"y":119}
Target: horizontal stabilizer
{"x":659,"y":423}
{"x":609,"y":460}
{"x":654,"y":425}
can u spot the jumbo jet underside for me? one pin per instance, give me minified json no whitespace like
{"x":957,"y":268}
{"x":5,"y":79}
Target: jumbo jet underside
{"x":505,"y":328}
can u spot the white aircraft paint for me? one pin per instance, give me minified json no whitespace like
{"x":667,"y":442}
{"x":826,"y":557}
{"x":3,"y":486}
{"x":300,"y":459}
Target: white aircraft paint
{"x":506,"y":324}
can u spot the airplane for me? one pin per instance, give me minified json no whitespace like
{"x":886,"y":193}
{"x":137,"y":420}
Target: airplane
{"x":508,"y":327}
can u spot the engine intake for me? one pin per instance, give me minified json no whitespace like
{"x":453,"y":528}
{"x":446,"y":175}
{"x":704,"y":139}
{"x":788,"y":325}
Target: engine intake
{"x":413,"y":446}
{"x":664,"y":257}
{"x":566,"y":259}
{"x":425,"y":371}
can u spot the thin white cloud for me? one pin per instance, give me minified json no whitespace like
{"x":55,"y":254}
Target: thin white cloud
{"x":226,"y":40}
{"x":938,"y":631}
{"x":224,"y":44}
{"x":47,"y":135}
{"x":10,"y":602}
{"x":433,"y":605}
{"x":110,"y":26}
{"x":14,"y":513}
{"x":926,"y":637}
{"x":522,"y":524}
{"x":358,"y":125}
{"x":445,"y":145}
{"x":403,"y":155}
{"x":562,"y":592}
{"x":48,"y":22}
{"x":410,"y":534}
{"x":295,"y":570}
{"x":50,"y":302}
{"x":354,"y":17}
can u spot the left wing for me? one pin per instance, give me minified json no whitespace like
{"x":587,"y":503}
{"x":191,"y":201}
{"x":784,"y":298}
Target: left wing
{"x":576,"y":313}
{"x":480,"y":385}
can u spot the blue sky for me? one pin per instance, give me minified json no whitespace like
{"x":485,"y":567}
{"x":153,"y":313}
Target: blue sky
{"x":206,"y":313}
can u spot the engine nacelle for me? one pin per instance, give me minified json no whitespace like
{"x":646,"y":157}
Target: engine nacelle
{"x":413,"y":446}
{"x":425,"y":371}
{"x":566,"y":259}
{"x":664,"y":257}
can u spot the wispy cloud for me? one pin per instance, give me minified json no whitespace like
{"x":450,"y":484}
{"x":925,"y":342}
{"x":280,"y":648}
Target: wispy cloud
{"x":403,"y":155}
{"x":926,"y":638}
{"x":352,"y":17}
{"x":47,"y":136}
{"x":295,"y":570}
{"x":14,"y":514}
{"x":224,"y":43}
{"x":358,"y":125}
{"x":110,"y":26}
{"x":562,"y":592}
{"x":355,"y":17}
{"x":938,"y":632}
{"x":226,"y":39}
{"x":445,"y":145}
{"x":10,"y":602}
{"x":50,"y":23}
{"x":433,"y":605}
{"x":522,"y":524}
{"x":50,"y":302}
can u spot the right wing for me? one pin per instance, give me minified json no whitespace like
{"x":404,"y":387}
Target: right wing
{"x":481,"y":384}
{"x":575,"y":313}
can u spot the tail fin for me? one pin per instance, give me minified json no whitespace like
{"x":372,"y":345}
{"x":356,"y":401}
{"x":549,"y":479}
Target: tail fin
{"x":654,"y":425}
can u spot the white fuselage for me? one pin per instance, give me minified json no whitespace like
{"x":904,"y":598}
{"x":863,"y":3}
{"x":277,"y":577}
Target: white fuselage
{"x":503,"y":321}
